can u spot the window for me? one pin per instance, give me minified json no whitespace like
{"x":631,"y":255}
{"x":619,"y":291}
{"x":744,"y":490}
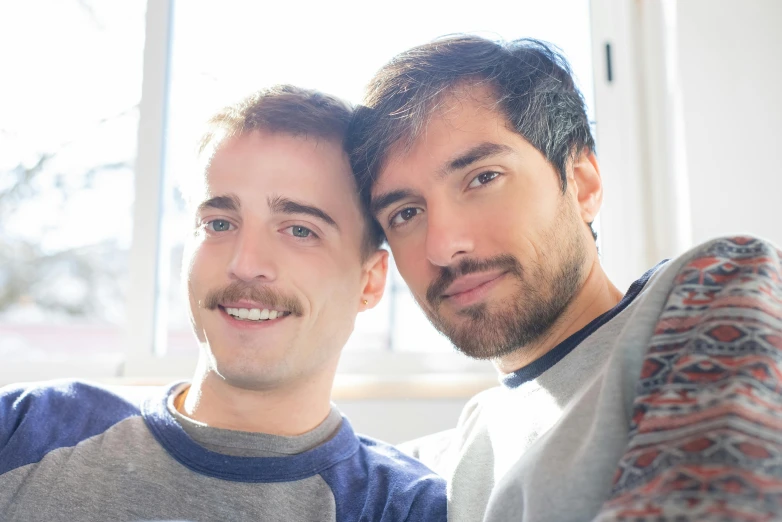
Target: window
{"x":67,"y":147}
{"x":79,"y":294}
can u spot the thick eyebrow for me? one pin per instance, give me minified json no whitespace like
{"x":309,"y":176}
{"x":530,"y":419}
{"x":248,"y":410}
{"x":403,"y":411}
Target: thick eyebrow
{"x":465,"y":159}
{"x":227,"y":202}
{"x":281,"y":205}
{"x":387,"y":199}
{"x":477,"y":153}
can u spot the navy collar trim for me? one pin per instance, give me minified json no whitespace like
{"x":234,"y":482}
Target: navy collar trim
{"x":170,"y":434}
{"x":535,"y":369}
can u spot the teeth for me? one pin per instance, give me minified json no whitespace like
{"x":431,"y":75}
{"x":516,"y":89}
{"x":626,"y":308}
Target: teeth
{"x":254,"y":314}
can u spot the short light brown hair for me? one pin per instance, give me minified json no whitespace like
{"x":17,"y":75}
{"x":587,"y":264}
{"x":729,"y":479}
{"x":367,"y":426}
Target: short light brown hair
{"x":282,"y":108}
{"x":296,"y":111}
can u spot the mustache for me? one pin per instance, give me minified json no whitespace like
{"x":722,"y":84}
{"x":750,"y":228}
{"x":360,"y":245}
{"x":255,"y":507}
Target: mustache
{"x":448,"y":274}
{"x":238,"y":291}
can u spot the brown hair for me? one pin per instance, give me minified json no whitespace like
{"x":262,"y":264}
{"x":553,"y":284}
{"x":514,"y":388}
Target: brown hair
{"x":282,"y":108}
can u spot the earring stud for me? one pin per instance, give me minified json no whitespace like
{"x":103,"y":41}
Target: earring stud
{"x":365,"y":301}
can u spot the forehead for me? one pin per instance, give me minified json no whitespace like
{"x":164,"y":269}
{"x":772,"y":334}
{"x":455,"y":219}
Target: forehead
{"x":260,"y":163}
{"x":463,"y":118}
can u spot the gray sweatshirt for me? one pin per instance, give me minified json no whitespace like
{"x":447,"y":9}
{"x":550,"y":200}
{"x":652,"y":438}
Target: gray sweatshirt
{"x":74,"y":451}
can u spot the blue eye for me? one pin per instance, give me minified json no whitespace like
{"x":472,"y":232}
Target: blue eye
{"x":298,"y":231}
{"x":219,"y":225}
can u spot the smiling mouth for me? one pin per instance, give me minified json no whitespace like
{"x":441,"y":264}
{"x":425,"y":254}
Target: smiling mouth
{"x":257,"y":315}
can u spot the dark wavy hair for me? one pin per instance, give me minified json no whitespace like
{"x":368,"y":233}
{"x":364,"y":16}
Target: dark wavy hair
{"x":531,"y":80}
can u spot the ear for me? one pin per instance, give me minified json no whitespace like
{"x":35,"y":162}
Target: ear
{"x":588,"y":185}
{"x":373,"y":281}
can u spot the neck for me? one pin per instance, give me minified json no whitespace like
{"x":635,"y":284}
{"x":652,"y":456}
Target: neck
{"x":596,"y":296}
{"x":286,"y":410}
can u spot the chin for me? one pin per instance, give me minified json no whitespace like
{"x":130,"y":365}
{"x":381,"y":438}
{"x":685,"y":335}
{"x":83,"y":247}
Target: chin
{"x":260,"y":380}
{"x":247,"y":372}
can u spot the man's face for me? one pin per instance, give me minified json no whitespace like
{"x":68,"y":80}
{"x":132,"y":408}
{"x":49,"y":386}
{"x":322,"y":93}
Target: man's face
{"x":275,"y":272}
{"x":480,"y":230}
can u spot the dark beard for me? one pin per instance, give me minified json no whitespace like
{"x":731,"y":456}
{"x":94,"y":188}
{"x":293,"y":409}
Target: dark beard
{"x":489,"y":331}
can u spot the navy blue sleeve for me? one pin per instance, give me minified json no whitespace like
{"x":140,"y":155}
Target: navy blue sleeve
{"x":38,"y":419}
{"x":381,"y":484}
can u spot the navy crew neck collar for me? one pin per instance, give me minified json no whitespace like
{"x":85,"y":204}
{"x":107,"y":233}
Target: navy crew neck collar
{"x":170,"y":434}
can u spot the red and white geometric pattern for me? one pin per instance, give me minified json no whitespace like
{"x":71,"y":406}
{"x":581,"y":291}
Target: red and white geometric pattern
{"x":706,"y":430}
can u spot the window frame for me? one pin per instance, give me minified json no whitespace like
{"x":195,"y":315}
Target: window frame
{"x":618,"y":134}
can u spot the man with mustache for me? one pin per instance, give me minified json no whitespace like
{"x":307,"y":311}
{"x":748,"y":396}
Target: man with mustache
{"x":281,"y":259}
{"x":659,"y":403}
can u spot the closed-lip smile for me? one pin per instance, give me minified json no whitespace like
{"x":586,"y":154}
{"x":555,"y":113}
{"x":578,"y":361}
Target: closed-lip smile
{"x":472,"y":287}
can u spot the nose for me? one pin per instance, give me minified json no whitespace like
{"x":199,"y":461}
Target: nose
{"x":253,"y":257}
{"x":448,"y":235}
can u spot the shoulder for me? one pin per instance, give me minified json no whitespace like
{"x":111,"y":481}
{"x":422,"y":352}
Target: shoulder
{"x":719,"y":293}
{"x":60,"y":398}
{"x":688,"y":284}
{"x":38,"y":418}
{"x":430,"y":449}
{"x":390,"y":484}
{"x":440,"y":450}
{"x":724,"y":304}
{"x":415,"y":489}
{"x":737,"y":244}
{"x":721,"y":274}
{"x":404,"y":469}
{"x":746,"y":250}
{"x":711,"y":370}
{"x":474,"y":413}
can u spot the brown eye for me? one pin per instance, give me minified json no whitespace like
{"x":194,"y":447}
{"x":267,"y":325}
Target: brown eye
{"x":408,"y":213}
{"x":404,"y":215}
{"x":483,"y":178}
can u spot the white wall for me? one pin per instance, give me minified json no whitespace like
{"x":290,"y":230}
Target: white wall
{"x":688,"y":129}
{"x":730,"y":66}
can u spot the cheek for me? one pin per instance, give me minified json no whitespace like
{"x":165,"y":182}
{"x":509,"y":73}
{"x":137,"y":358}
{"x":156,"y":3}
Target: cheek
{"x":193,"y":268}
{"x":191,"y":277}
{"x":191,"y":287}
{"x":523,"y":217}
{"x":203,"y":270}
{"x":411,"y":262}
{"x":324,"y":280}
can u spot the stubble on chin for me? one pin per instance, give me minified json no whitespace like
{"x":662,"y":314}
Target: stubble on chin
{"x":540,"y":295}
